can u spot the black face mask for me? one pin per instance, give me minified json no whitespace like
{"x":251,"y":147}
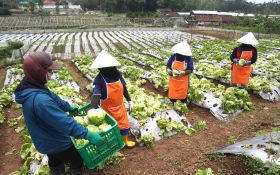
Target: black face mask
{"x":110,"y":72}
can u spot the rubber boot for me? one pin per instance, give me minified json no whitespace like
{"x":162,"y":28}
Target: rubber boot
{"x":57,"y":170}
{"x":78,"y":171}
{"x":129,"y":144}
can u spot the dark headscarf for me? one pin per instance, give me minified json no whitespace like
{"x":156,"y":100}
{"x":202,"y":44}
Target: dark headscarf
{"x":110,"y":72}
{"x":36,"y":66}
{"x":245,"y":47}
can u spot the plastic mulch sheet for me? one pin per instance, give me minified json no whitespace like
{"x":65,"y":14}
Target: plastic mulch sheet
{"x":215,"y":106}
{"x":261,"y":147}
{"x":151,"y":127}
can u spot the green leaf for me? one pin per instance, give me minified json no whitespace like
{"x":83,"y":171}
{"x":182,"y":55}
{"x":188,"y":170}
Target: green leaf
{"x":190,"y":131}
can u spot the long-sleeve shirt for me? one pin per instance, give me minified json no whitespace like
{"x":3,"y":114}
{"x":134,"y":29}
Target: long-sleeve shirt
{"x":47,"y":121}
{"x":244,"y":47}
{"x":188,"y":60}
{"x":100,"y":86}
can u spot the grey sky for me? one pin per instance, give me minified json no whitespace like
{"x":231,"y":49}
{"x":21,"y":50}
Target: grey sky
{"x":258,"y":1}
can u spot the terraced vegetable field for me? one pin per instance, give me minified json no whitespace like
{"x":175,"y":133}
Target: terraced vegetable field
{"x":143,"y":56}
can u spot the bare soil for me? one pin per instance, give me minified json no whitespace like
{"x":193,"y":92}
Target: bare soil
{"x":180,"y":154}
{"x":10,"y":140}
{"x":2,"y":77}
{"x":150,"y":88}
{"x":79,"y":78}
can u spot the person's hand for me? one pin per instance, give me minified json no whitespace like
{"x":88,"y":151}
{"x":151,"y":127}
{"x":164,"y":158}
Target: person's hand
{"x":169,"y":71}
{"x":73,"y":109}
{"x":175,"y":73}
{"x":94,"y":138}
{"x":248,"y":62}
{"x":235,"y":60}
{"x":129,"y":107}
{"x":182,"y":73}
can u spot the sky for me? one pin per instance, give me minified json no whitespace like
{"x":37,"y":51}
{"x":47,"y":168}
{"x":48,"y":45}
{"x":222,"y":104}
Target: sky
{"x":258,"y":1}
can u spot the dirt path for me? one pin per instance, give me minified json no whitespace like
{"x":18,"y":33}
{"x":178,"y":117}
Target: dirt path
{"x":2,"y":77}
{"x":179,"y":154}
{"x":79,"y":78}
{"x":182,"y":154}
{"x":11,"y":142}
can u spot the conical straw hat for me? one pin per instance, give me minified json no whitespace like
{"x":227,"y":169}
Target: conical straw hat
{"x":182,"y":48}
{"x":248,"y":39}
{"x":104,"y":59}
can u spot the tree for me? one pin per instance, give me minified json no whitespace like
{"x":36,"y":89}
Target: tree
{"x":57,"y":3}
{"x":110,"y":5}
{"x":180,"y":5}
{"x":151,"y":5}
{"x":31,"y":6}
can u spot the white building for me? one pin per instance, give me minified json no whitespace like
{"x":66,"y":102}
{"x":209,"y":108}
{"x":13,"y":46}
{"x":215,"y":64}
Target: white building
{"x":63,"y":9}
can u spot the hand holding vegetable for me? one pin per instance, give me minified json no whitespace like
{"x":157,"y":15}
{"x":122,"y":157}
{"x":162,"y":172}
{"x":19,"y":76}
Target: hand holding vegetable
{"x":248,"y":62}
{"x":182,"y":73}
{"x":235,"y":60}
{"x":242,"y":62}
{"x":175,"y":73}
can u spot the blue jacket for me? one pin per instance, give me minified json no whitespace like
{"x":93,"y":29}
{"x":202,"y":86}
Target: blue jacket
{"x":47,"y":121}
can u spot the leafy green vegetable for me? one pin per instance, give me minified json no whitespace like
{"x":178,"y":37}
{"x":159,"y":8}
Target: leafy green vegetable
{"x":96,"y":116}
{"x":112,"y":160}
{"x":43,"y":170}
{"x":15,"y":44}
{"x":166,"y":125}
{"x":25,"y":150}
{"x":207,"y":171}
{"x":190,"y":131}
{"x":81,"y":142}
{"x":200,"y":125}
{"x":242,"y":62}
{"x":181,"y":107}
{"x":236,"y":99}
{"x":148,"y":140}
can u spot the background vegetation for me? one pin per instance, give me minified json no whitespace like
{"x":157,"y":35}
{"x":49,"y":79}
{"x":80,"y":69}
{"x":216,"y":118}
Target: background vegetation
{"x":176,"y":5}
{"x":260,"y":25}
{"x":180,"y":5}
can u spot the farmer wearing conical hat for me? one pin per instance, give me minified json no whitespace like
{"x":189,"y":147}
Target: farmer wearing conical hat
{"x":179,"y":66}
{"x":242,"y":57}
{"x":109,"y":89}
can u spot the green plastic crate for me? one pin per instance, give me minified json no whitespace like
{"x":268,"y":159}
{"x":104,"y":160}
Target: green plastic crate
{"x":94,"y":155}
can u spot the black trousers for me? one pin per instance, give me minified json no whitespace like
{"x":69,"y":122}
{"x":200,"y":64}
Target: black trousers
{"x":69,"y":156}
{"x":182,"y":100}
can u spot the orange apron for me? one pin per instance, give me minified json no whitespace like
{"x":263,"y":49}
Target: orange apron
{"x":239,"y":74}
{"x":114,"y":105}
{"x":178,"y":86}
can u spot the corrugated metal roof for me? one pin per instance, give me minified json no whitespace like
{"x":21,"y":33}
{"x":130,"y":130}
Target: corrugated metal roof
{"x":202,"y":12}
{"x":183,"y":13}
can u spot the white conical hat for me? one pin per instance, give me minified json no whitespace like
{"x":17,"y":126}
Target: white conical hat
{"x":249,"y":38}
{"x":182,"y":48}
{"x":104,"y":59}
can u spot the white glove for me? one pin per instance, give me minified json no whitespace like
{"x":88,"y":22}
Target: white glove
{"x":175,"y":73}
{"x":182,"y":73}
{"x":169,"y":71}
